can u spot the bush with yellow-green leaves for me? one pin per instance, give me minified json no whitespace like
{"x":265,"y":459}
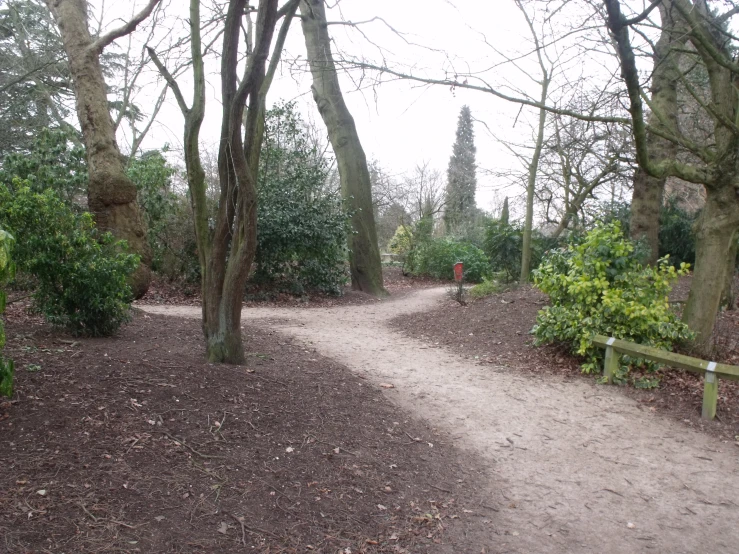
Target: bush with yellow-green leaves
{"x":599,"y":287}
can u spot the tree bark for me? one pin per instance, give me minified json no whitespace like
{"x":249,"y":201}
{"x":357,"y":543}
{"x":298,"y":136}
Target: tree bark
{"x":648,"y":192}
{"x":111,"y":194}
{"x":531,"y":185}
{"x":364,"y":253}
{"x":714,"y":245}
{"x":728,"y":298}
{"x":646,"y":203}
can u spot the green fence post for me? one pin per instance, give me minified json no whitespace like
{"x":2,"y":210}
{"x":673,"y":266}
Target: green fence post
{"x":710,"y":392}
{"x":610,"y":366}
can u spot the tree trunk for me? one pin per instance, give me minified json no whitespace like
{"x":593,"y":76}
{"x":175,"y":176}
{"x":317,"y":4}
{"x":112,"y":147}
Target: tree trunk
{"x":565,"y":222}
{"x":715,"y":233}
{"x":728,"y":298}
{"x":646,"y":204}
{"x":364,"y":253}
{"x":111,"y":194}
{"x":648,"y":192}
{"x":531,"y":185}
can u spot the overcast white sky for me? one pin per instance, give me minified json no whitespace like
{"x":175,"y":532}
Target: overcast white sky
{"x":403,"y":123}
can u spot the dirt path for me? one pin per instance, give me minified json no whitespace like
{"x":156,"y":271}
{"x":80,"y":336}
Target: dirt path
{"x":575,"y":467}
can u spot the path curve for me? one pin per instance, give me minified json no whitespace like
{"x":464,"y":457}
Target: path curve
{"x":574,"y":467}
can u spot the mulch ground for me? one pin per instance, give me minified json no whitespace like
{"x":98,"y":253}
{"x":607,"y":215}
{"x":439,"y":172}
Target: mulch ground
{"x":162,"y":291}
{"x":496,"y":330}
{"x":135,"y":444}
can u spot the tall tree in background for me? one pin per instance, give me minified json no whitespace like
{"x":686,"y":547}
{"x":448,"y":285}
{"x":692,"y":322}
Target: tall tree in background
{"x":504,"y":212}
{"x":461,"y":175}
{"x":111,"y":194}
{"x":356,"y":186}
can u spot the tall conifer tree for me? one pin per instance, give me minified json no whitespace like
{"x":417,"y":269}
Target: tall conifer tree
{"x":461,"y":178}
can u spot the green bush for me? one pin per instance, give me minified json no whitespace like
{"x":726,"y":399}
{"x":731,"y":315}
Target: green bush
{"x":486,"y":288}
{"x":302,"y":224}
{"x":6,"y":272}
{"x":81,"y":276}
{"x":599,"y":287}
{"x":419,"y":237}
{"x":153,"y":178}
{"x":503,"y":245}
{"x":437,"y":257}
{"x":402,"y":240}
{"x":55,"y":163}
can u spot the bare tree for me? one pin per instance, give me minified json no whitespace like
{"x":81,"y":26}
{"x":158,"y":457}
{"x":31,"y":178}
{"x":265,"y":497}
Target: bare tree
{"x":547,"y":67}
{"x":580,"y":159}
{"x":713,"y":163}
{"x":227,"y":244}
{"x":111,"y":194}
{"x":424,"y":192}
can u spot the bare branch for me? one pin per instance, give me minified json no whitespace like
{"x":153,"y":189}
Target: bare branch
{"x":455,"y":83}
{"x":642,"y":16}
{"x":124,"y":30}
{"x":170,"y":80}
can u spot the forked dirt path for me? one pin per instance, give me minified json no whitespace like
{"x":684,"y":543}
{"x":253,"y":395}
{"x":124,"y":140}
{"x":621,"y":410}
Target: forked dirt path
{"x":574,"y":467}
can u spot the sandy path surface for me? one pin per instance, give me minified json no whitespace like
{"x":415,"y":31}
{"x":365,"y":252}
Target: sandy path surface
{"x":574,"y":467}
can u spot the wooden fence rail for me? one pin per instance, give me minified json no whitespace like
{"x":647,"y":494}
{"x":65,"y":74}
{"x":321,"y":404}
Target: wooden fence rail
{"x":711,"y":371}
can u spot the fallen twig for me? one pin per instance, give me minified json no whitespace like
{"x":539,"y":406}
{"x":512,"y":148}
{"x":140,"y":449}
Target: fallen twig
{"x":88,"y":513}
{"x":190,"y":448}
{"x":439,"y":488}
{"x":252,"y":530}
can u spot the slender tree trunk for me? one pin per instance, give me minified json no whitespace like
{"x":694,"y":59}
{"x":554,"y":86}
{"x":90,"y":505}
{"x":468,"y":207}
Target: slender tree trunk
{"x":531,"y":185}
{"x":364,"y":253}
{"x":715,"y":233}
{"x":111,"y":194}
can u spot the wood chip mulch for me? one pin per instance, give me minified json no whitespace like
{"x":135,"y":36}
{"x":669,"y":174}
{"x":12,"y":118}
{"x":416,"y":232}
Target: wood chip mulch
{"x":136,"y":444}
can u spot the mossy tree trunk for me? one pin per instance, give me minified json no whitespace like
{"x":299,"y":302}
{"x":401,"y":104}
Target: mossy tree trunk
{"x":364,"y":252}
{"x":648,"y":191}
{"x":111,"y":194}
{"x":646,"y":203}
{"x":226,"y":251}
{"x":714,"y":246}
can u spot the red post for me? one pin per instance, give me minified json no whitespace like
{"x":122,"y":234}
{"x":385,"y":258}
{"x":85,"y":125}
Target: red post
{"x":458,"y":271}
